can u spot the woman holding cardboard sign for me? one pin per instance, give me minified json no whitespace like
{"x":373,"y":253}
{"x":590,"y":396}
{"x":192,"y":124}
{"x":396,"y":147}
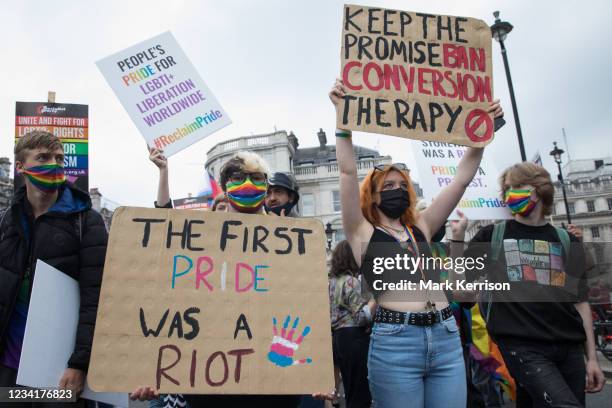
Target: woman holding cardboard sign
{"x":415,"y":357}
{"x":244,"y":180}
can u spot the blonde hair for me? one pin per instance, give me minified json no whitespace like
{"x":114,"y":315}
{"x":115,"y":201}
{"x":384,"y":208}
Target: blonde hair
{"x":253,"y":163}
{"x":527,"y":173}
{"x":243,"y":161}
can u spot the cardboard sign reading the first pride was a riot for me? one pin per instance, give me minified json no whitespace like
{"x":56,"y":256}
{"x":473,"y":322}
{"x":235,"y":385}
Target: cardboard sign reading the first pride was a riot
{"x":416,"y":75}
{"x":213,"y":303}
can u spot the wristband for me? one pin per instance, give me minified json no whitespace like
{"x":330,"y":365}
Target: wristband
{"x":457,"y":241}
{"x":343,"y":133}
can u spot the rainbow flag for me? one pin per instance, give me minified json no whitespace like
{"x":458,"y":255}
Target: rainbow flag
{"x":210,"y":188}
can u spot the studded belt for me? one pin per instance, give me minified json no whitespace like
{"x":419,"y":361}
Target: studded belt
{"x":418,"y":319}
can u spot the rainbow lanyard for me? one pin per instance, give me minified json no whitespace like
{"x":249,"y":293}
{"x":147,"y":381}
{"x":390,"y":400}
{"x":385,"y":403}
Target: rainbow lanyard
{"x":411,"y":239}
{"x":430,"y":306}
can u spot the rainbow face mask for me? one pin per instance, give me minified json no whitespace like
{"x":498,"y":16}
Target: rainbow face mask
{"x":519,"y":202}
{"x":47,"y":178}
{"x":246,"y":197}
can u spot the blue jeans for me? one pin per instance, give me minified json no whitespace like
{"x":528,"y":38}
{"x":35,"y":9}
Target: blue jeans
{"x":417,"y":366}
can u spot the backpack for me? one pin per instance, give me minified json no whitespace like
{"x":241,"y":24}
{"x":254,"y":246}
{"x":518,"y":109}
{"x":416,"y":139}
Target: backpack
{"x":497,"y":240}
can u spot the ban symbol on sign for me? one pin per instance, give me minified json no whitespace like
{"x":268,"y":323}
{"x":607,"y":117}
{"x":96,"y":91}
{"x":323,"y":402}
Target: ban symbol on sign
{"x":474,"y":121}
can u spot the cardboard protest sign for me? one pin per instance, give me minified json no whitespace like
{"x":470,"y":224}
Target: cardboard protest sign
{"x":437,"y":165}
{"x":70,"y":123}
{"x":163,"y":94}
{"x":43,"y":357}
{"x":416,"y":75}
{"x":212,"y":303}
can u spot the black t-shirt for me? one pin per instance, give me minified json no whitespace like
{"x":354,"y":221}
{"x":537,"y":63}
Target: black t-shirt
{"x":533,"y":261}
{"x":383,"y":246}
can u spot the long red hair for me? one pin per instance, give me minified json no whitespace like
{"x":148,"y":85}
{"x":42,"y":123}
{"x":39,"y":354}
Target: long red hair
{"x":372,"y":185}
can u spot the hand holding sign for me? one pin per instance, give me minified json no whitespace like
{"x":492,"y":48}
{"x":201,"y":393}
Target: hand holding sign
{"x":72,"y":379}
{"x":158,"y":158}
{"x":459,"y":226}
{"x":337,"y":92}
{"x":283,"y":346}
{"x":478,"y":125}
{"x":144,"y":394}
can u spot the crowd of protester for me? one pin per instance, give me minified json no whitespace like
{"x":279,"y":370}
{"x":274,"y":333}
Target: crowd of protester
{"x":434,"y":349}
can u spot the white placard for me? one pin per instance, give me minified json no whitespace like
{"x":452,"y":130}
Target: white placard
{"x":437,"y":164}
{"x":50,"y":334}
{"x":163,"y":93}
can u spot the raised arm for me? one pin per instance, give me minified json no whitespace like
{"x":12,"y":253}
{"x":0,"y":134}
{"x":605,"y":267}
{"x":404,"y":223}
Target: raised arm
{"x":442,"y":206}
{"x":457,"y":248}
{"x":163,"y":188}
{"x":352,"y":218}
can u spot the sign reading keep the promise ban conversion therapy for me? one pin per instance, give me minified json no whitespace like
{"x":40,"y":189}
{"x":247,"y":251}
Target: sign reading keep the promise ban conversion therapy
{"x":208,"y":302}
{"x":163,"y":94}
{"x":416,"y":75}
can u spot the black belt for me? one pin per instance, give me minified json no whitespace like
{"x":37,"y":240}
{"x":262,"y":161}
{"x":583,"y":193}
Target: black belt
{"x":418,"y":319}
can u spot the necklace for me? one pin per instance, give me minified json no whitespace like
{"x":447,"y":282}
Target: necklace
{"x":430,"y":305}
{"x":397,"y":230}
{"x":399,"y":236}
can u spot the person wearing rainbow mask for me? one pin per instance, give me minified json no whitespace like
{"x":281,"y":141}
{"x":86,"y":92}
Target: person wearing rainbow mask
{"x":51,"y":220}
{"x":543,"y":324}
{"x":244,"y":181}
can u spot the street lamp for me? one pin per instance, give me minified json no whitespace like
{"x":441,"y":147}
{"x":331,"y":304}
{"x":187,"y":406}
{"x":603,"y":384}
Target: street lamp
{"x":556,"y":154}
{"x":329,"y":232}
{"x":500,"y":31}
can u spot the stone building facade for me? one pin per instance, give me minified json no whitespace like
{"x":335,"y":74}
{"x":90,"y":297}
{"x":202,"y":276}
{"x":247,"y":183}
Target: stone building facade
{"x":6,"y":183}
{"x":315,"y":169}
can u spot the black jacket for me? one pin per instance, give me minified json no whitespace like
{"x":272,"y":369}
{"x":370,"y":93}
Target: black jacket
{"x":70,"y":237}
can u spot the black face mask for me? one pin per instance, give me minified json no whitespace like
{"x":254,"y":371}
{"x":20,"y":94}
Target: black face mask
{"x":277,"y":210}
{"x":437,"y":237}
{"x":393,"y":203}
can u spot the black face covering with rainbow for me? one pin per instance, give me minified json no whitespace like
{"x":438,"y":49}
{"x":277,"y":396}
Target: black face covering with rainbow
{"x":246,"y":196}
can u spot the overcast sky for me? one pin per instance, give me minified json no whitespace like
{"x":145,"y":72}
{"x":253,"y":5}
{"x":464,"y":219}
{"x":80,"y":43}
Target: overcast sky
{"x":272,"y":63}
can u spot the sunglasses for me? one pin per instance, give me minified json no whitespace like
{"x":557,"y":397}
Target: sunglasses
{"x":396,"y":166}
{"x":241,"y":176}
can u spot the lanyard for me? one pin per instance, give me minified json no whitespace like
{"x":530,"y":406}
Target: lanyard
{"x":430,"y":306}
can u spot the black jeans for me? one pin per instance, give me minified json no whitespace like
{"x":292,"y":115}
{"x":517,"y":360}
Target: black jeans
{"x":552,"y":374}
{"x":350,"y":346}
